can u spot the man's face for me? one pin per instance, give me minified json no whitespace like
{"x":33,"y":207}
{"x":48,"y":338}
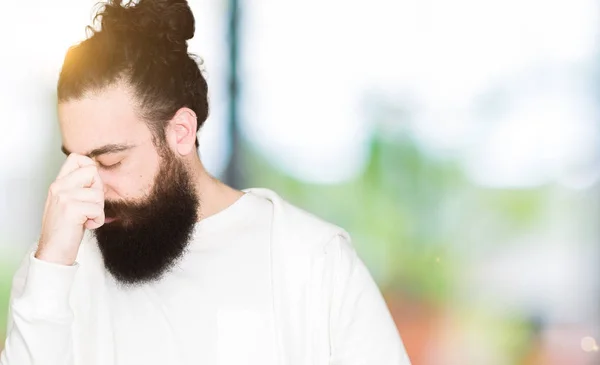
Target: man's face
{"x":150,"y":201}
{"x":105,"y":127}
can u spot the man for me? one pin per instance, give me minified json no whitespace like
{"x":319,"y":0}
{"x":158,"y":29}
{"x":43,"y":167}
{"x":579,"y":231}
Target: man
{"x":144,"y":258}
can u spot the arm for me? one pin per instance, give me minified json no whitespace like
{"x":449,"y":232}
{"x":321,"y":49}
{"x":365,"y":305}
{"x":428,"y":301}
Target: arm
{"x":361,"y":327}
{"x":40,"y":318}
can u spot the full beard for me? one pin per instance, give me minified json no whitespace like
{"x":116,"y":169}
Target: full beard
{"x":150,"y":236}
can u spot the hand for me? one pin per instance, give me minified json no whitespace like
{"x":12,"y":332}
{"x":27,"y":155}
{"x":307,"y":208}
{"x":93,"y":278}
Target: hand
{"x":75,"y":202}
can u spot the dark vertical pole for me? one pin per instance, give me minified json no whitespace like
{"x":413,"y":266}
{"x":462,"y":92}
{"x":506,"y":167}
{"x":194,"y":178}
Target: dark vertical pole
{"x":233,"y":173}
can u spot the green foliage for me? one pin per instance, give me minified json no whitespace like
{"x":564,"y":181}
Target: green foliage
{"x":411,"y":216}
{"x":8,"y":265}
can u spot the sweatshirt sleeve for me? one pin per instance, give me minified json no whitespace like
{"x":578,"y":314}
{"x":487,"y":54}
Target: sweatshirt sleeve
{"x":361,"y":327}
{"x":40,"y":317}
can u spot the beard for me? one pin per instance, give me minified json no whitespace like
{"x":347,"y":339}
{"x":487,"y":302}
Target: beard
{"x":149,"y":236}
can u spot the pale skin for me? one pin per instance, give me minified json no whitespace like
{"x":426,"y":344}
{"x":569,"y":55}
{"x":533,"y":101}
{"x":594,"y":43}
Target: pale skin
{"x":111,"y":157}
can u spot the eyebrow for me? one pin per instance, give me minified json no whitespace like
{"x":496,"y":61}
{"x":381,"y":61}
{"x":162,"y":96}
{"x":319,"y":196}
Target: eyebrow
{"x":109,"y":148}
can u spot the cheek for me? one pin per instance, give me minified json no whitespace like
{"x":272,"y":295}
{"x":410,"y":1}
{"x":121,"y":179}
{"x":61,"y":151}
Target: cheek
{"x":126,"y":186}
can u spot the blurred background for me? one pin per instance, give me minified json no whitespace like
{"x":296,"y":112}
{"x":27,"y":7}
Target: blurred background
{"x":457,"y":141}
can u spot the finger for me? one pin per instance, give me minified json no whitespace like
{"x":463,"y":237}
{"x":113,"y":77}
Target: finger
{"x":87,"y":211}
{"x":86,"y":195}
{"x":83,"y":177}
{"x":90,"y":224}
{"x":73,"y":162}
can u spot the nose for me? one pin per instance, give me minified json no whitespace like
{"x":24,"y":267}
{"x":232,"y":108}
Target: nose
{"x":104,"y":179}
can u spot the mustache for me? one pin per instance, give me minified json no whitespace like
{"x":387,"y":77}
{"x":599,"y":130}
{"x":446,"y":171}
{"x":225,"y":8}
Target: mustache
{"x":131,"y":210}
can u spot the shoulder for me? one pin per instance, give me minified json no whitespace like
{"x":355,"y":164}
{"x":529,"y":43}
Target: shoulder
{"x":298,"y":232}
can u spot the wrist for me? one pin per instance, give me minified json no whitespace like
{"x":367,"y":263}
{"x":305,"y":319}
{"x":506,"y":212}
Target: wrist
{"x":46,"y":254}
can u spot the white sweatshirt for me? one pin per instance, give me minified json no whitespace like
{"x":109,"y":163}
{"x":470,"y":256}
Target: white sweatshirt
{"x":263,"y":283}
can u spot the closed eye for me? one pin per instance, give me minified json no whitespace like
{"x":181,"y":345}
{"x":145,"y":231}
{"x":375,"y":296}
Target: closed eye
{"x":109,"y":167}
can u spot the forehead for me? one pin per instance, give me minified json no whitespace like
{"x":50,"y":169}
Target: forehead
{"x":100,"y":118}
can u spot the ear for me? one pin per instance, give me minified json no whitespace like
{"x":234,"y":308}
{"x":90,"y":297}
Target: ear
{"x":181,"y":131}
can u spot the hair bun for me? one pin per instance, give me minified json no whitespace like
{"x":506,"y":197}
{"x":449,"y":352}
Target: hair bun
{"x":167,"y":20}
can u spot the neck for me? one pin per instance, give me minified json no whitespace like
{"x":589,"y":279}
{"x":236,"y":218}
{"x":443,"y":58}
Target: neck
{"x":214,"y":195}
